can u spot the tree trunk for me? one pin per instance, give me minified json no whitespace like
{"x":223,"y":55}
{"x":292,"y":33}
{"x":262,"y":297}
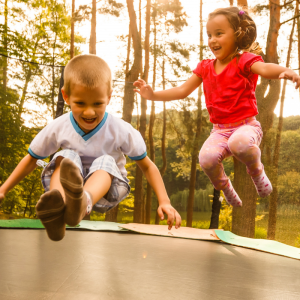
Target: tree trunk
{"x":163,"y":139}
{"x":243,"y":219}
{"x":72,"y":51}
{"x":128,"y":51}
{"x":231,"y":2}
{"x":5,"y":46}
{"x":151,"y":126}
{"x":274,"y":195}
{"x":191,"y":197}
{"x":93,"y":28}
{"x":216,"y":207}
{"x":24,"y":91}
{"x":133,"y":74}
{"x":53,"y":82}
{"x":266,"y":104}
{"x":242,"y":3}
{"x":139,"y":199}
{"x":298,"y":32}
{"x":60,"y":101}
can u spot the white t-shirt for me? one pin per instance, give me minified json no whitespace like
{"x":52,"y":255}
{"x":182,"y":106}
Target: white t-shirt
{"x":112,"y":136}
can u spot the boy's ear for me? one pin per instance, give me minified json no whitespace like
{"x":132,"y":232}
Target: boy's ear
{"x":65,"y":96}
{"x":109,"y":98}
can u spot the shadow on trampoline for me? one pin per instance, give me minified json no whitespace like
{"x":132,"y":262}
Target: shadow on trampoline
{"x":123,"y":265}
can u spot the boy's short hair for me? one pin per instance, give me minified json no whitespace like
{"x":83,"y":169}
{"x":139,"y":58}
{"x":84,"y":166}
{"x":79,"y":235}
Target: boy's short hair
{"x":88,"y":70}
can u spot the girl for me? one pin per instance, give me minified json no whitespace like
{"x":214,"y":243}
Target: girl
{"x":229,"y":83}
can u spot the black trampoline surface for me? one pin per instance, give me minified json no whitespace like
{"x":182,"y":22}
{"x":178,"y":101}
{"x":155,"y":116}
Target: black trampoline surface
{"x":105,"y":265}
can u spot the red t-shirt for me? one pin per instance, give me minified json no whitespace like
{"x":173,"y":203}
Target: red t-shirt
{"x":230,"y":95}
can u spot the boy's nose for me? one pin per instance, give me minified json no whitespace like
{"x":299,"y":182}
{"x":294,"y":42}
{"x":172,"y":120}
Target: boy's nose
{"x":89,"y":111}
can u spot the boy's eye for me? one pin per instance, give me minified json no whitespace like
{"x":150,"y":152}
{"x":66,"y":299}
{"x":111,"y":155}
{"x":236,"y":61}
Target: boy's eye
{"x":80,"y":103}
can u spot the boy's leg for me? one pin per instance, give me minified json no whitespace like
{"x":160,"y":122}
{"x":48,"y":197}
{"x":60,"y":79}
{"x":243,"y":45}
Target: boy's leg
{"x":244,"y":145}
{"x":79,"y":197}
{"x":50,"y":207}
{"x":213,"y":152}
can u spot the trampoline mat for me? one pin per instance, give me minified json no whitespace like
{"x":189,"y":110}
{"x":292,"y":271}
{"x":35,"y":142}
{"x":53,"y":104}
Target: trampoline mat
{"x":111,"y":265}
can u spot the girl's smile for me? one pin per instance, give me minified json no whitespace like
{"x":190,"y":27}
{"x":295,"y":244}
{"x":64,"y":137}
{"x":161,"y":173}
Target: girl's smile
{"x":221,"y":38}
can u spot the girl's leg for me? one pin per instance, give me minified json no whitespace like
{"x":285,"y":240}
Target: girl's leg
{"x":80,"y":198}
{"x":244,"y":145}
{"x":212,"y":153}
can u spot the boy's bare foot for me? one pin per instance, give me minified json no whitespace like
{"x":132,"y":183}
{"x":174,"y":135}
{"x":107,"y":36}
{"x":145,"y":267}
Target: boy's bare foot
{"x":76,"y":199}
{"x":50,"y":210}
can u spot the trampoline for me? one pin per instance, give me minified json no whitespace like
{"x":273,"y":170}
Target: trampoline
{"x":125,"y":265}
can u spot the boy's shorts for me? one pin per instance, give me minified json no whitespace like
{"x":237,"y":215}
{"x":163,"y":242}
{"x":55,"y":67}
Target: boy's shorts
{"x":118,"y":191}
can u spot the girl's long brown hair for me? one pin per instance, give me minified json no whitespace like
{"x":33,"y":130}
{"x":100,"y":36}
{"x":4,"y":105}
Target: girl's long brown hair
{"x":244,"y":29}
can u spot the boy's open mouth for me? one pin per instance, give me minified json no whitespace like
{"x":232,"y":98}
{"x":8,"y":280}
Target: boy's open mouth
{"x":217,"y":48}
{"x":89,"y":120}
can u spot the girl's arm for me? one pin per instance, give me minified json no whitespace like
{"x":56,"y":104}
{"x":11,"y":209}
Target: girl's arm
{"x":180,"y":92}
{"x":154,"y":178}
{"x":273,"y":71}
{"x":25,"y":166}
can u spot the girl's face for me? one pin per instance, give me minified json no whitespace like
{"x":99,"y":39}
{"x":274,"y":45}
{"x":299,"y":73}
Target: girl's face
{"x":221,"y":38}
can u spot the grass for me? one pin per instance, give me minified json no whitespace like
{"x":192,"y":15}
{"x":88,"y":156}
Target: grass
{"x":287,"y":225}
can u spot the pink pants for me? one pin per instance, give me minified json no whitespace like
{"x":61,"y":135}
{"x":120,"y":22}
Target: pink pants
{"x":241,"y":140}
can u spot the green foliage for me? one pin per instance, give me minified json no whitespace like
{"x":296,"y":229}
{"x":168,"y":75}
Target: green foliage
{"x":289,"y":188}
{"x":225,"y":218}
{"x":195,"y":224}
{"x":127,"y":205}
{"x":201,"y":201}
{"x":260,"y":233}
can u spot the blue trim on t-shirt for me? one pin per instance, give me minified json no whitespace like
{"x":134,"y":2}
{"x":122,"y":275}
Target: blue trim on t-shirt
{"x":87,"y":136}
{"x":138,"y":157}
{"x":34,"y":155}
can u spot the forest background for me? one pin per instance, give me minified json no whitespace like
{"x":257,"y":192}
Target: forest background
{"x":160,"y":41}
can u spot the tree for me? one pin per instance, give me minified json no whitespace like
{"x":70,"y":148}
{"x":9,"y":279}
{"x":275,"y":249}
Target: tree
{"x":274,"y":195}
{"x":72,"y":30}
{"x":196,"y":145}
{"x":84,"y":12}
{"x":139,"y":205}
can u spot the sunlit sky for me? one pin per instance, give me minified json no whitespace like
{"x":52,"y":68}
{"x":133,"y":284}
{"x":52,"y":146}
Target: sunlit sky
{"x":111,"y":48}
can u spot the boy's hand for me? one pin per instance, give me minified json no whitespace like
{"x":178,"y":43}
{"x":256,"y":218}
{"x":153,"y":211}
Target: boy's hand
{"x":145,"y":90}
{"x":172,"y":214}
{"x":291,"y":75}
{"x":2,"y":196}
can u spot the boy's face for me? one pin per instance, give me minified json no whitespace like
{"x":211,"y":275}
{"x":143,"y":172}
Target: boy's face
{"x":88,"y":105}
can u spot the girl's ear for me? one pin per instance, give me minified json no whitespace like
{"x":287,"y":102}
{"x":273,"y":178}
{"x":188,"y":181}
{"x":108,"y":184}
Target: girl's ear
{"x":65,"y":96}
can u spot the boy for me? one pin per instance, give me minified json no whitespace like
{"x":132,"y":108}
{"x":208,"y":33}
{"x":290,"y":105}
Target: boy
{"x":89,"y":171}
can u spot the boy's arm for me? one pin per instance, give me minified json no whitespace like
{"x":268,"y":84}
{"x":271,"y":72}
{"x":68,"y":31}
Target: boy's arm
{"x":154,"y":178}
{"x":25,"y":166}
{"x":273,"y":71}
{"x":180,"y":92}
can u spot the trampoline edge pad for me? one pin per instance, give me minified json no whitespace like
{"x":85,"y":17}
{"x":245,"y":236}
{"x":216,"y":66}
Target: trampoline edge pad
{"x":84,"y":225}
{"x":259,"y":244}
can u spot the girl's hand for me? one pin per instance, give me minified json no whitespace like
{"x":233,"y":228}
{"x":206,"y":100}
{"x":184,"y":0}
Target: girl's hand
{"x":291,"y":75}
{"x":172,"y":214}
{"x":145,"y":90}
